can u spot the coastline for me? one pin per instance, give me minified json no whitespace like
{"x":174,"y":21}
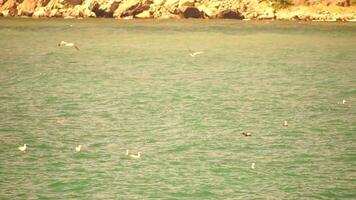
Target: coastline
{"x":176,"y":9}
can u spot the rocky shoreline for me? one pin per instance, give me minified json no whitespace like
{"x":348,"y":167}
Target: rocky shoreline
{"x":322,"y":10}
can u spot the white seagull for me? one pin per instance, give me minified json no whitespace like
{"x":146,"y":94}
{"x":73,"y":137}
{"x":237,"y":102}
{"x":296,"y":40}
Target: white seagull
{"x":22,"y":148}
{"x":285,"y":123}
{"x":136,"y":156}
{"x":253,"y":165}
{"x":246,"y":134}
{"x":67,"y":44}
{"x":127,"y":152}
{"x":194,"y":53}
{"x":78,"y":148}
{"x":343,"y":101}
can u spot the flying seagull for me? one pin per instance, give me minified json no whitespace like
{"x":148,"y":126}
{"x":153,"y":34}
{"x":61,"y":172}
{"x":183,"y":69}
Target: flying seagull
{"x":67,"y":44}
{"x":194,"y":53}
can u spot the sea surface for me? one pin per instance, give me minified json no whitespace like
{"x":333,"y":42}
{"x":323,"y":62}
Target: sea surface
{"x":133,"y":85}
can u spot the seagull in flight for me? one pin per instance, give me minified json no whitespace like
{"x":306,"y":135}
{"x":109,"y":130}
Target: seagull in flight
{"x":67,"y":44}
{"x":194,"y":53}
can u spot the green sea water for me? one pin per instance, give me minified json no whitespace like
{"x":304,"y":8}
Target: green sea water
{"x":133,"y":85}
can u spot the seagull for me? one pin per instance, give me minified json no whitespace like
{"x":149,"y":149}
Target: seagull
{"x":285,"y":123}
{"x":136,"y":156}
{"x":77,"y":148}
{"x":194,"y":53}
{"x":22,"y":148}
{"x":246,"y":134}
{"x":342,"y":102}
{"x":67,"y":44}
{"x":127,"y":152}
{"x":253,"y":165}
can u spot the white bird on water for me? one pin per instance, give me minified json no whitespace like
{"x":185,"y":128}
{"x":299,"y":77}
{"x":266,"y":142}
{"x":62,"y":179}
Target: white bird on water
{"x":285,"y":123}
{"x":78,"y":148}
{"x":127,"y":152}
{"x":342,"y":102}
{"x":194,"y":53}
{"x":22,"y":148}
{"x":253,"y":165}
{"x":246,"y":134}
{"x":67,"y":44}
{"x":136,"y":156}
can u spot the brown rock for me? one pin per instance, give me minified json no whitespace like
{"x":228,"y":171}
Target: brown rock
{"x":73,"y":2}
{"x":44,"y":2}
{"x":190,"y":12}
{"x":8,"y":5}
{"x":105,"y":10}
{"x":27,"y":7}
{"x":12,"y":12}
{"x":230,"y":14}
{"x":130,"y":8}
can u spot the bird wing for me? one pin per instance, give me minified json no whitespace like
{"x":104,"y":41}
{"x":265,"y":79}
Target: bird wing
{"x":197,"y":53}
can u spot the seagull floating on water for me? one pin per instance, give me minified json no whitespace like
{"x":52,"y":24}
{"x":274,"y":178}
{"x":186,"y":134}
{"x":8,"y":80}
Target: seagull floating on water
{"x":246,"y":134}
{"x":285,"y":123}
{"x":343,"y":101}
{"x":253,"y":165}
{"x":136,"y":156}
{"x":67,"y":44}
{"x":22,"y":148}
{"x":127,"y":152}
{"x":78,"y":148}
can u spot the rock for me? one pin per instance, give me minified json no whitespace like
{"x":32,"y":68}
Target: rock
{"x":105,"y":8}
{"x":40,"y":12}
{"x":27,"y":7}
{"x":190,"y":12}
{"x":268,"y":13}
{"x":88,"y":13}
{"x":128,"y":17}
{"x":209,"y":12}
{"x":11,"y":12}
{"x":172,"y":6}
{"x":159,"y":2}
{"x":55,"y":13}
{"x":9,"y":4}
{"x":343,"y":3}
{"x":125,"y":7}
{"x":5,"y":13}
{"x":73,"y":2}
{"x":230,"y":14}
{"x":144,"y":15}
{"x":77,"y":11}
{"x":131,"y":8}
{"x":44,"y":2}
{"x":183,"y":3}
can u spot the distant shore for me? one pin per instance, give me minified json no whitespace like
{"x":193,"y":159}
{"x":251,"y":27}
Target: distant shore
{"x":337,"y":10}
